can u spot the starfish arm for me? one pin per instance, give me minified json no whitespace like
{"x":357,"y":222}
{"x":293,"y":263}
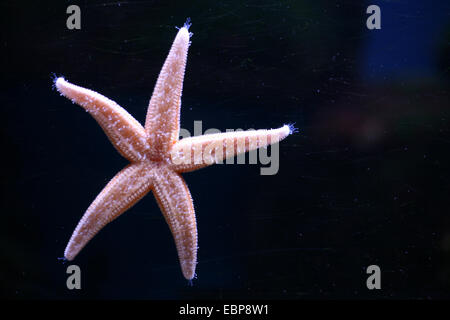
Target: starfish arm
{"x":193,"y":153}
{"x":162,"y":123}
{"x":125,"y":133}
{"x":120,"y":194}
{"x":175,"y":201}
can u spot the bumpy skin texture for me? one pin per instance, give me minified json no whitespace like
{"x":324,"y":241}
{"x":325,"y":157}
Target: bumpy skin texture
{"x":156,"y":156}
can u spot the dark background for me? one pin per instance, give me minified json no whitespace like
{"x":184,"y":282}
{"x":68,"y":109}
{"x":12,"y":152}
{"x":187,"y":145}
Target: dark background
{"x":366,"y":180}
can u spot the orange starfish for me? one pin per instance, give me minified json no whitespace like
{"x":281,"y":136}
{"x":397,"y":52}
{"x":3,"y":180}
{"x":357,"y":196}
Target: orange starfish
{"x":157,"y":156}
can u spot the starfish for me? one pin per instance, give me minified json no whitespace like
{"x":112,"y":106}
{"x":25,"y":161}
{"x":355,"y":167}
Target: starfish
{"x":157,"y":156}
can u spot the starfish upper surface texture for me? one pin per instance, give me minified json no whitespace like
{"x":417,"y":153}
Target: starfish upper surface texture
{"x":157,"y":156}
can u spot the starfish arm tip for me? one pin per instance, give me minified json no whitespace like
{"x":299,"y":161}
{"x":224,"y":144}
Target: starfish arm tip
{"x":69,"y":255}
{"x":190,"y":276}
{"x":59,"y":80}
{"x":184,"y":32}
{"x":59,"y":83}
{"x":290,"y":129}
{"x":54,"y":78}
{"x":187,"y":24}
